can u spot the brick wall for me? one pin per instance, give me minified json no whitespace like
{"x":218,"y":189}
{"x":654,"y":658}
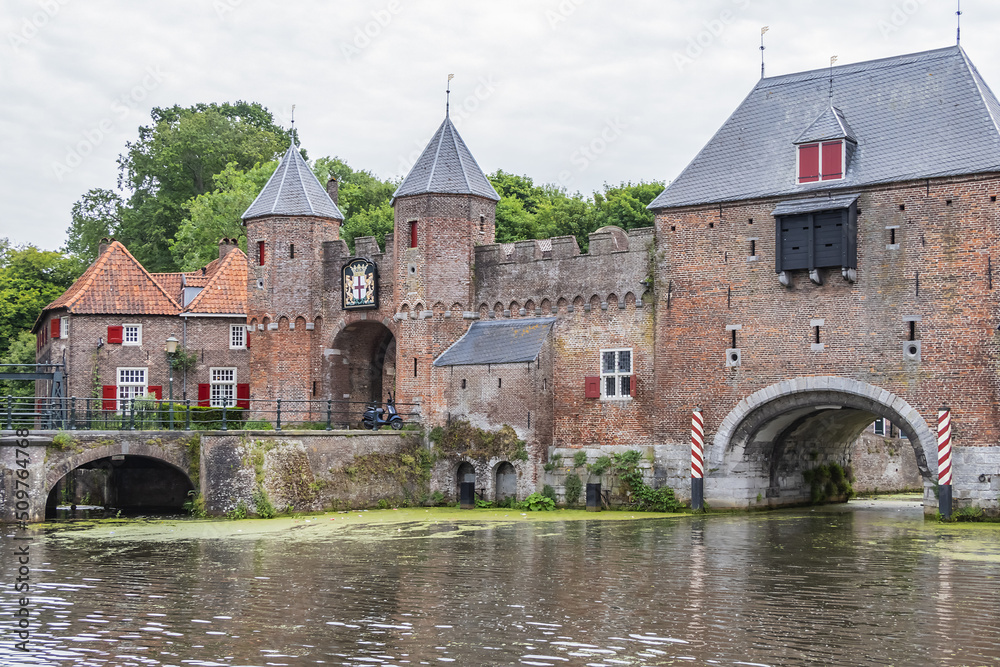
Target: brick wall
{"x":939,"y":273}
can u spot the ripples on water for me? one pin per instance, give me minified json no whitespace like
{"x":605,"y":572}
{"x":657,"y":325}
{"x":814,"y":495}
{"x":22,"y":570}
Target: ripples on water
{"x":825,"y":587}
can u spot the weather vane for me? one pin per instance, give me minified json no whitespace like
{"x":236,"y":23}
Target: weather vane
{"x":833,"y":59}
{"x":447,"y":99}
{"x":762,"y":31}
{"x":293,"y":125}
{"x":958,"y":23}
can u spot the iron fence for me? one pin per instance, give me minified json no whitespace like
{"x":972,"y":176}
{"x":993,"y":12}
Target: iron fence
{"x":151,"y":414}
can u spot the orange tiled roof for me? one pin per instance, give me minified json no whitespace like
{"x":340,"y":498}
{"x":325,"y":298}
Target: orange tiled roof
{"x":116,"y":283}
{"x":226,"y":288}
{"x":171,"y":284}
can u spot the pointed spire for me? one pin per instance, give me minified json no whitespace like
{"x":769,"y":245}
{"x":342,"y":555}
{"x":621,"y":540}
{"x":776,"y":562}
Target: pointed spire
{"x":446,"y":167}
{"x":293,"y":190}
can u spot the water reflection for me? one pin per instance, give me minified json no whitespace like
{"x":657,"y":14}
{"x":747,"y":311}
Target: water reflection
{"x":870,"y":586}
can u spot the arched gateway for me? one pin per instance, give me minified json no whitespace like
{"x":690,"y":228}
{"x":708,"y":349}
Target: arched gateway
{"x":771,"y":438}
{"x":364,"y":364}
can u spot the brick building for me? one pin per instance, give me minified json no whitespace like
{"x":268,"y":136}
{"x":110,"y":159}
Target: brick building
{"x":823,"y":262}
{"x":111,"y":326}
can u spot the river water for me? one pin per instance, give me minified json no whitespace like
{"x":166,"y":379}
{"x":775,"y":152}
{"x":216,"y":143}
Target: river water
{"x":870,"y":583}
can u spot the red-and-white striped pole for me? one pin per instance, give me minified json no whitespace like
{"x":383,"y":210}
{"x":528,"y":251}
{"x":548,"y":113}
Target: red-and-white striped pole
{"x":697,"y":460}
{"x":944,"y":462}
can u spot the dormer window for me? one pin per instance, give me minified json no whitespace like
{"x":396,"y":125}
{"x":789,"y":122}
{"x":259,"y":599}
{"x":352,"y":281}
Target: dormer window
{"x":821,"y":161}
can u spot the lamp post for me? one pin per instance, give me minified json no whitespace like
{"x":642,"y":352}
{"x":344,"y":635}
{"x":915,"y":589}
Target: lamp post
{"x":171,"y":349}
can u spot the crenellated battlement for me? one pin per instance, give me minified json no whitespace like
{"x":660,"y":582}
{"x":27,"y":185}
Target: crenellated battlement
{"x":554,"y":270}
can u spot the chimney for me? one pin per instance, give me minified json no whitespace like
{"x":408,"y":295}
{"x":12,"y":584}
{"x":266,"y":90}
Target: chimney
{"x":333,"y":188}
{"x":103,"y":246}
{"x":225,"y":245}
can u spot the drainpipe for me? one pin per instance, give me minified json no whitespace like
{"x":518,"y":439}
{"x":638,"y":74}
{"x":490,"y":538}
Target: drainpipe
{"x":184,"y":342}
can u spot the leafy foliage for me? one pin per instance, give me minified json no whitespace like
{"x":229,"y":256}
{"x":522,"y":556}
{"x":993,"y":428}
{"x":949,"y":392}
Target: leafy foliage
{"x":460,"y":438}
{"x":573,"y":486}
{"x":218,"y":214}
{"x":175,"y":158}
{"x":21,"y":351}
{"x":580,"y":459}
{"x":828,"y":481}
{"x":536,"y":502}
{"x":528,"y":211}
{"x":627,"y":469}
{"x":30,"y":279}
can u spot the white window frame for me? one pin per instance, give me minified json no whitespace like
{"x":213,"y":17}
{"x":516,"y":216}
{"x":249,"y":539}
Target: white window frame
{"x":819,"y":145}
{"x":64,"y":327}
{"x":882,"y":427}
{"x":234,"y":331}
{"x":128,"y":386}
{"x":222,"y":387}
{"x":616,"y":375}
{"x":138,"y":334}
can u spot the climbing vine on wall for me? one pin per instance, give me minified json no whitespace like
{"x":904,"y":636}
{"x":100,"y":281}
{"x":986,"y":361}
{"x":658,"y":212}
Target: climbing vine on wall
{"x":460,"y":438}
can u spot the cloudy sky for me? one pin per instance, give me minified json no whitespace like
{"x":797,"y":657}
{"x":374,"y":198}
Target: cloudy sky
{"x":573,"y":92}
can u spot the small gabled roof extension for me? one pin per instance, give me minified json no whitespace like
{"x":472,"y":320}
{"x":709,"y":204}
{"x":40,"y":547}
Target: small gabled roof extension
{"x":115,"y":284}
{"x":293,"y":190}
{"x":916,"y":116}
{"x":830,"y":125}
{"x":226,"y":290}
{"x":446,"y":167}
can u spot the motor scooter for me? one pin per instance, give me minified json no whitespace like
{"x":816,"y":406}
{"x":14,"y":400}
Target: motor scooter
{"x":375,"y":417}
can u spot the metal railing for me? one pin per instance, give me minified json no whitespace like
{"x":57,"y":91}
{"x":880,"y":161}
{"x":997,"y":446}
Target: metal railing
{"x":151,"y":414}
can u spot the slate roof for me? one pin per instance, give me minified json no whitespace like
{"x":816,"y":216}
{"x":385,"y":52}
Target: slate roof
{"x":293,"y":190}
{"x":814,"y":204}
{"x":916,"y":116}
{"x":831,"y":124}
{"x":504,"y":342}
{"x":116,"y":283}
{"x":446,"y":167}
{"x":226,"y":289}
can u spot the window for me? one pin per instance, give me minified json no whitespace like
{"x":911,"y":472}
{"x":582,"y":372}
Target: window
{"x":883,"y":427}
{"x":413,"y":233}
{"x":237,"y":336}
{"x":260,"y":253}
{"x":132,"y":334}
{"x":223,"y":387}
{"x":829,"y":155}
{"x":64,"y":327}
{"x":616,"y":373}
{"x":131,"y":384}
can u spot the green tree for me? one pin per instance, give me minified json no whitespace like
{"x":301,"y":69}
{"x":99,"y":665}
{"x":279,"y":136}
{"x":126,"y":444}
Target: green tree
{"x":20,"y":351}
{"x":363,"y":198}
{"x":98,"y":214}
{"x":175,"y":158}
{"x":624,"y":205}
{"x":218,"y":214}
{"x":30,"y":279}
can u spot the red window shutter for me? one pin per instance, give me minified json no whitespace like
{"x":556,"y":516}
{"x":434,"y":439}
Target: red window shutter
{"x":633,"y":386}
{"x":54,"y":327}
{"x":204,"y":395}
{"x":243,"y":396}
{"x":109,"y":393}
{"x":833,"y":156}
{"x":592,"y":387}
{"x":115,"y":335}
{"x":260,"y":253}
{"x":808,"y":163}
{"x":413,"y":234}
{"x":155,"y":391}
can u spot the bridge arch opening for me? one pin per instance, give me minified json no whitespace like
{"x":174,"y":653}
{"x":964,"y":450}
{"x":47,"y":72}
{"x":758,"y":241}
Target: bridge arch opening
{"x":768,"y":450}
{"x":130,"y":483}
{"x":366,"y":368}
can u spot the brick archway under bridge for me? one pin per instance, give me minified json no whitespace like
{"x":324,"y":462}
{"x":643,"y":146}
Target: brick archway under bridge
{"x":770,"y":438}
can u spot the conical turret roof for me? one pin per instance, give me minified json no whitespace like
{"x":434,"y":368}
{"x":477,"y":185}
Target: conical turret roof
{"x":446,"y":167}
{"x":293,"y":190}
